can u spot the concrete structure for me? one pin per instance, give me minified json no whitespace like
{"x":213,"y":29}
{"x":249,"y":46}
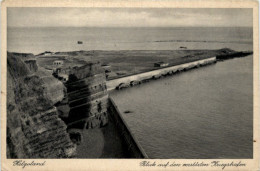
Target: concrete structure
{"x":134,"y":147}
{"x":105,"y":66}
{"x":112,"y":84}
{"x":160,"y":64}
{"x":48,"y":53}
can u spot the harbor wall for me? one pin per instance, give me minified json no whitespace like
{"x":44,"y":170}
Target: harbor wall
{"x":112,"y":84}
{"x":134,"y":148}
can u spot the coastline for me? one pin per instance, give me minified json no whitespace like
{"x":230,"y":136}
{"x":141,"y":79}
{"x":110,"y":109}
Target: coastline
{"x":97,"y":142}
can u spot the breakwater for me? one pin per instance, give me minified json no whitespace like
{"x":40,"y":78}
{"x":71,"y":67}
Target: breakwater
{"x":142,"y":77}
{"x":134,"y":148}
{"x":233,"y":55}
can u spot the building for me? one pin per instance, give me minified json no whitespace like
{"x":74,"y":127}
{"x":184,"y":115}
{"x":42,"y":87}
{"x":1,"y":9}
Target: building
{"x":47,"y":53}
{"x":160,"y":64}
{"x":57,"y":63}
{"x":105,"y":66}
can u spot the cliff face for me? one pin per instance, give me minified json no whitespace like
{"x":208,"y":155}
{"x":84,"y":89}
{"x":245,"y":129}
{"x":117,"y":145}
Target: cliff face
{"x":31,"y":64}
{"x":87,"y":96}
{"x":34,"y":129}
{"x":54,"y":89}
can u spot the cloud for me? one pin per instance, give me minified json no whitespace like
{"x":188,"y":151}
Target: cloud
{"x":128,"y":17}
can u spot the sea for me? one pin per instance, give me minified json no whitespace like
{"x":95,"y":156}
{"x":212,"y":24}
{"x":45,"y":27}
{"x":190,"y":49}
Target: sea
{"x":203,"y":113}
{"x":37,"y":40}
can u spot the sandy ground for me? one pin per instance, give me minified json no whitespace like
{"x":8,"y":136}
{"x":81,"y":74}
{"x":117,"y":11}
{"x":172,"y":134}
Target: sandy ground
{"x":102,"y":143}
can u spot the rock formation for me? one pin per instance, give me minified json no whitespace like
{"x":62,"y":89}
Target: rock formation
{"x":34,"y":129}
{"x":86,"y":98}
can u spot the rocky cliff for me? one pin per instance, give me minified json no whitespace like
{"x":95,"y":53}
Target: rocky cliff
{"x":34,"y":129}
{"x":86,"y":96}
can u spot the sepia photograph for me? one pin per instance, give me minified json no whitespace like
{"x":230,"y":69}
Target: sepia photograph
{"x":129,"y":83}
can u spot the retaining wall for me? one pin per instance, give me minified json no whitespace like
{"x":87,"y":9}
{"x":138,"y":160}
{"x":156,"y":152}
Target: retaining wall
{"x":134,"y":148}
{"x":112,"y":84}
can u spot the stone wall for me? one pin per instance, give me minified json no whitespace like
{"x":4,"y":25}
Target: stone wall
{"x":135,"y":150}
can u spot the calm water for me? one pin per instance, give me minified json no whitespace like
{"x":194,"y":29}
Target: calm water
{"x":203,"y":113}
{"x":37,"y":40}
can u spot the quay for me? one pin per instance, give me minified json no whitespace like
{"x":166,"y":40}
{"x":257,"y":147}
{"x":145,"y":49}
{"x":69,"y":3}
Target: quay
{"x":134,"y":148}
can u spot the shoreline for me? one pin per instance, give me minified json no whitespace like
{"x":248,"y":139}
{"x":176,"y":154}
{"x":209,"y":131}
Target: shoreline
{"x":118,"y":64}
{"x":126,"y":81}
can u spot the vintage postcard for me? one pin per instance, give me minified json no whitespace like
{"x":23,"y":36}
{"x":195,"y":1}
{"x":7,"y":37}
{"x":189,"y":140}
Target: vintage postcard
{"x":129,"y":85}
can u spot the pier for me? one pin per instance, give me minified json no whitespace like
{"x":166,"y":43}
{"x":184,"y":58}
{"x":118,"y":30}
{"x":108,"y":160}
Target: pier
{"x":142,"y":77}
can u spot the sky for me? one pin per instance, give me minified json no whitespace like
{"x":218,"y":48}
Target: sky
{"x":129,"y":17}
